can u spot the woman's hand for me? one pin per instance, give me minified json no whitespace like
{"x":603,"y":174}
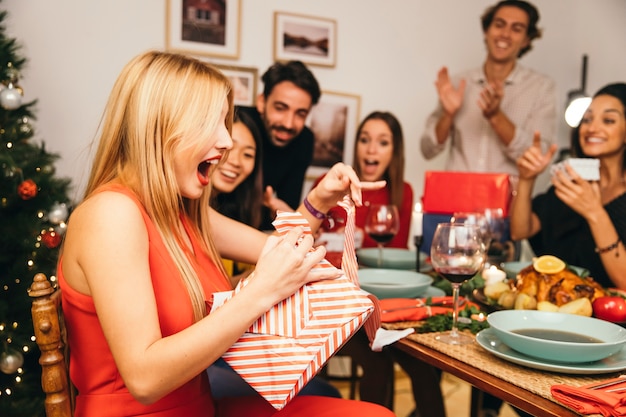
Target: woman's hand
{"x":341,"y":180}
{"x":286,"y":264}
{"x":580,"y":195}
{"x":533,"y":161}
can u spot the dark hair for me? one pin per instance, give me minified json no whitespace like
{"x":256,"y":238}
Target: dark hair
{"x":617,"y":90}
{"x":533,"y":32}
{"x":245,"y":202}
{"x":295,"y":72}
{"x":394,"y":174}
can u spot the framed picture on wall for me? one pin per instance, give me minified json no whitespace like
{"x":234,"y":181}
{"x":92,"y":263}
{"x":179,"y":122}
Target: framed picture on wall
{"x":203,"y":27}
{"x":244,"y":80}
{"x":334,"y":121}
{"x":312,"y":40}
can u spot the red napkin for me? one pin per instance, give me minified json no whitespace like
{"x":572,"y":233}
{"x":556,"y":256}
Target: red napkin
{"x":593,"y":401}
{"x":414,"y":309}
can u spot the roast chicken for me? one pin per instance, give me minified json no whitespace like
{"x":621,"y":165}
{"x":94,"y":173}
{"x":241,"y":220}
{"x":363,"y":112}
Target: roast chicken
{"x":559,"y":288}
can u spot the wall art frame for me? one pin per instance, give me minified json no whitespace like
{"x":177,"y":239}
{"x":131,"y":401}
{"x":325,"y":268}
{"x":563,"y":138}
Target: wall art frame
{"x":209,"y":28}
{"x":334,"y":121}
{"x":244,"y":80}
{"x":310,"y":39}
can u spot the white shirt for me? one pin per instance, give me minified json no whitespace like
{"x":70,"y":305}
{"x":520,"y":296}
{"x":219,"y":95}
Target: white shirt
{"x":529,"y":101}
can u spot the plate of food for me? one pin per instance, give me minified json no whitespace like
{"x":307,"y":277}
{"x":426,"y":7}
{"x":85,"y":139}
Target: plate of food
{"x":486,"y":303}
{"x":546,"y":284}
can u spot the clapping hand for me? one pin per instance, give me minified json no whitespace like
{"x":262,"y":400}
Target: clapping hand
{"x":490,"y":99}
{"x":451,"y":98}
{"x":533,"y":161}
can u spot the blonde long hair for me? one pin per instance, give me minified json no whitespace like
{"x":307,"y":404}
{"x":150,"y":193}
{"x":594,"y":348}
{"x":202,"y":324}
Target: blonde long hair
{"x":163,"y":103}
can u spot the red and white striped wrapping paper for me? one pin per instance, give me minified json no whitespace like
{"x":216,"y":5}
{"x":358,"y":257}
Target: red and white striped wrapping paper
{"x":290,"y":343}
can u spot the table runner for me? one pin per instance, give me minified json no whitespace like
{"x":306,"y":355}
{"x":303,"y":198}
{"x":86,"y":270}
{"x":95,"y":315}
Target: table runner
{"x":533,"y":380}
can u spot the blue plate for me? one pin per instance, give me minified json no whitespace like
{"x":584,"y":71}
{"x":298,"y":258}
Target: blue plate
{"x":394,"y":283}
{"x":489,"y":341}
{"x":433,"y":291}
{"x":393,"y":258}
{"x":596,"y":339}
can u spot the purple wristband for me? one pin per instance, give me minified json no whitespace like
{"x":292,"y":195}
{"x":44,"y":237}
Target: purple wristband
{"x":315,"y":212}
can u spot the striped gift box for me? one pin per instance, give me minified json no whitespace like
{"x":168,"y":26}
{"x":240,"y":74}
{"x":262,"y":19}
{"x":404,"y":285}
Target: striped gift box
{"x":291,"y":342}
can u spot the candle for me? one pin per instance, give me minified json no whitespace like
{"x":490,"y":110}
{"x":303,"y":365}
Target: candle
{"x":417,"y":219}
{"x":492,"y":275}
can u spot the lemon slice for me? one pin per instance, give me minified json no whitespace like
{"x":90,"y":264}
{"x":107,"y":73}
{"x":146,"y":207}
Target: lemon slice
{"x":548,"y":264}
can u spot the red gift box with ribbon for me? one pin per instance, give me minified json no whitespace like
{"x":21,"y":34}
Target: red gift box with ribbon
{"x":447,"y":192}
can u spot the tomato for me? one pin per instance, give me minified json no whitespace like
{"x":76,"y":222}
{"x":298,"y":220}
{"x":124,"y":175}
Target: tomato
{"x":610,"y":308}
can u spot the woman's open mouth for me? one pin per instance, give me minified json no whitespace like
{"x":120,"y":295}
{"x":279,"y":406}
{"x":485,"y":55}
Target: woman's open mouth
{"x":204,"y":170}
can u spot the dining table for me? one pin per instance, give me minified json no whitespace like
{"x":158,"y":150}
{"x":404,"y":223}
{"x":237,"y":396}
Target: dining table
{"x":523,"y":387}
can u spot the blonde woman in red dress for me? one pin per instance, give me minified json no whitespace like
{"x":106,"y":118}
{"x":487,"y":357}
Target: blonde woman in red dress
{"x":141,"y":255}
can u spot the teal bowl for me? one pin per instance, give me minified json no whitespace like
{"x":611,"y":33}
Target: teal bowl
{"x":394,"y":283}
{"x":557,"y":337}
{"x":393,"y":258}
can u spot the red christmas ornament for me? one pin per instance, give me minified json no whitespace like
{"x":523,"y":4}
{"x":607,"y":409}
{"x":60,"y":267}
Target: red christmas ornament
{"x":50,"y":238}
{"x":27,"y":189}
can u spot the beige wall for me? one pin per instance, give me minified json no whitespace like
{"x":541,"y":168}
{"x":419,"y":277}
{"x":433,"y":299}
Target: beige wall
{"x":388,"y":53}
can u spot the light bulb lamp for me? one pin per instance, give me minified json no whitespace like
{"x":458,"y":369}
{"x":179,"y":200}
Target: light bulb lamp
{"x":578,"y":100}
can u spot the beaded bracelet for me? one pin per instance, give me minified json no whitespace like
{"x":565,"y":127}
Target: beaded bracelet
{"x":315,"y":212}
{"x":610,"y":248}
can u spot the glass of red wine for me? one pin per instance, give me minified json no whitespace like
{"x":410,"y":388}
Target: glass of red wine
{"x":457,"y":253}
{"x":382,"y":224}
{"x":476,"y":218}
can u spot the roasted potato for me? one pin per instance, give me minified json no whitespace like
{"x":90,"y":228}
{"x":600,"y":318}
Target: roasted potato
{"x":507,"y":299}
{"x":494,"y":291}
{"x":580,"y":306}
{"x":547,"y":306}
{"x":524,"y":301}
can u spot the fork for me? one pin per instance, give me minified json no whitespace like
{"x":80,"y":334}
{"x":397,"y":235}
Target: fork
{"x":621,"y":379}
{"x":420,"y":303}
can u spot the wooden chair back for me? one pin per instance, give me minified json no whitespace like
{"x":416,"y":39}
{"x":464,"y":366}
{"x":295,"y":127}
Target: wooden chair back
{"x":51,"y":337}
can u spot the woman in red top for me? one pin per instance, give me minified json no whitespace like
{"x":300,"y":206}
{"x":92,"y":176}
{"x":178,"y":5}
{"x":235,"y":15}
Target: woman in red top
{"x":141,"y":253}
{"x":379,"y":155}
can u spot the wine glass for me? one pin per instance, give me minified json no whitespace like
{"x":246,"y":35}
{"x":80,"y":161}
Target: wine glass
{"x":477,"y":219}
{"x":457,"y":253}
{"x":496,"y":251}
{"x":382,"y":224}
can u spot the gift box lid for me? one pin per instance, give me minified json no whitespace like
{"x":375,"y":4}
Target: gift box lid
{"x":447,"y":192}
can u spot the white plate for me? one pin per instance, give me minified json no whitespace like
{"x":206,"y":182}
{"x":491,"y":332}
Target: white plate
{"x":393,"y":258}
{"x":488,"y":340}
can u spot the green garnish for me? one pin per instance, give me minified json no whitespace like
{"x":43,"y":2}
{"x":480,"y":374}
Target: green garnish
{"x":443,"y":322}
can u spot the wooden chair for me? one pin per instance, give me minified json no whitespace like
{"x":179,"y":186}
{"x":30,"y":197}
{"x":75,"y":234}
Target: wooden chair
{"x":51,"y":338}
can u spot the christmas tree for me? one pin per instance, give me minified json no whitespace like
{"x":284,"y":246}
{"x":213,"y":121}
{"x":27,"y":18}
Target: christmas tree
{"x":33,"y":211}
